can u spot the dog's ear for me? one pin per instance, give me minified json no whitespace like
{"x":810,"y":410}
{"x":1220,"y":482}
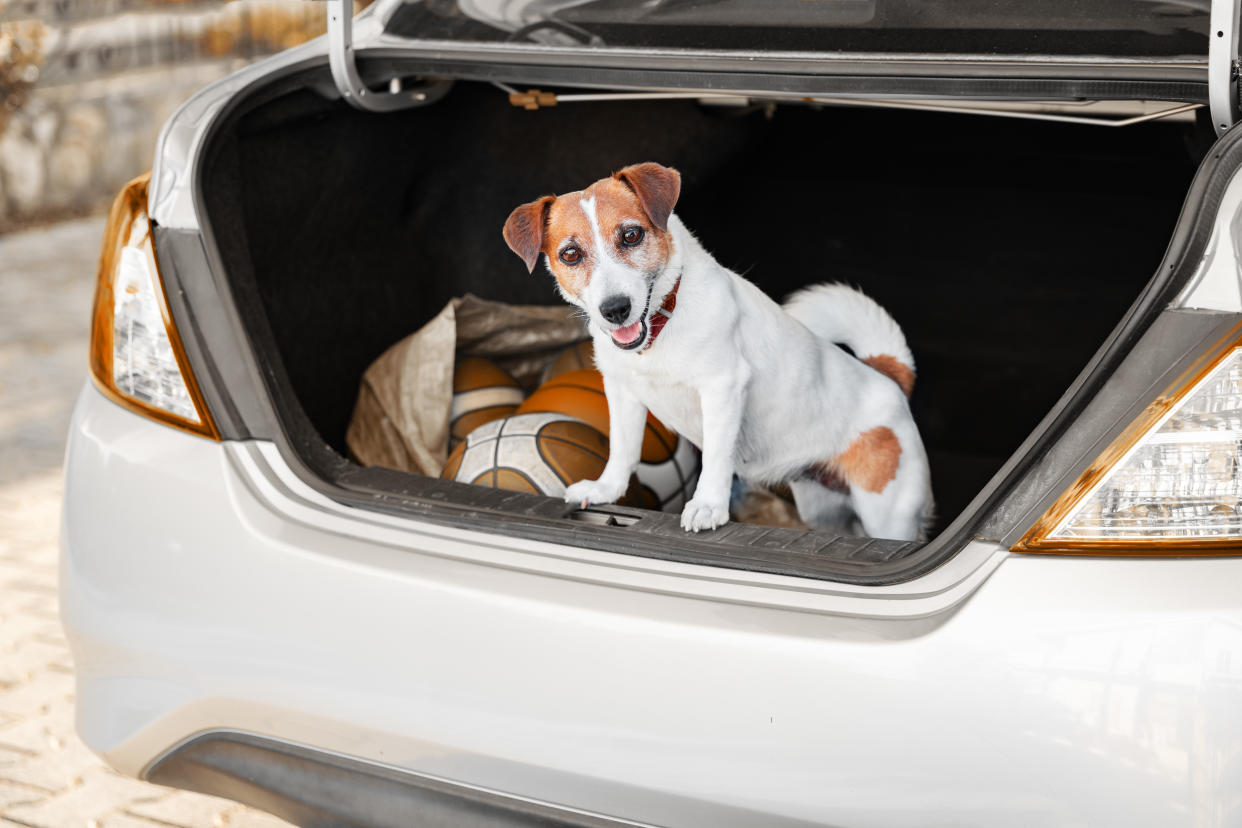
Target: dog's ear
{"x":524,"y":230}
{"x":657,"y":188}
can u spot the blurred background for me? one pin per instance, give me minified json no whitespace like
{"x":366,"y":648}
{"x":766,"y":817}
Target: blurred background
{"x":86,"y":84}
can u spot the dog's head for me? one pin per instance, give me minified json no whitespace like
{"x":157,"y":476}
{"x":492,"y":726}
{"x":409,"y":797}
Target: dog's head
{"x":606,"y":245}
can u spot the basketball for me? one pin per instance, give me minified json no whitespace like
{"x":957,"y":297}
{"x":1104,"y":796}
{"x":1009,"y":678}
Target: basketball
{"x":482,"y":393}
{"x":581,"y":394}
{"x":539,"y":454}
{"x":671,"y":481}
{"x":571,"y":358}
{"x":669,"y":463}
{"x":535,"y":453}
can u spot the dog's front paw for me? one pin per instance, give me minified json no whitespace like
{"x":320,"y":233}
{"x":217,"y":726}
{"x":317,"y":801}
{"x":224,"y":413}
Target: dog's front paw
{"x":703,"y":514}
{"x":585,"y":492}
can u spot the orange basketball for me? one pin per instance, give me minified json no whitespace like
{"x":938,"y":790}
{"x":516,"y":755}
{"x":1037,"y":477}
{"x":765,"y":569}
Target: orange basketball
{"x":571,"y":358}
{"x":640,"y":495}
{"x":581,"y":394}
{"x":573,"y":451}
{"x":482,"y":392}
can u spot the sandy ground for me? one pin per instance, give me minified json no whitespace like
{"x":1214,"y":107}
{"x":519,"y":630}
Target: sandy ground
{"x":48,"y":778}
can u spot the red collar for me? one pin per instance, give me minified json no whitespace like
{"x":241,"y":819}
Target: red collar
{"x":660,"y":318}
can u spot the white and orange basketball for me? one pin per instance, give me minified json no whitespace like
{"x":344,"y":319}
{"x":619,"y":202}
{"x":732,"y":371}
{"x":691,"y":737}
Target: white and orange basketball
{"x":669,"y":465}
{"x":482,"y":393}
{"x":535,"y":453}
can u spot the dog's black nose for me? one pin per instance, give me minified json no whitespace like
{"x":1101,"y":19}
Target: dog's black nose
{"x":615,"y":309}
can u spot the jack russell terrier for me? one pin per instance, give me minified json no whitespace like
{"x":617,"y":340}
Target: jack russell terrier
{"x":762,"y":389}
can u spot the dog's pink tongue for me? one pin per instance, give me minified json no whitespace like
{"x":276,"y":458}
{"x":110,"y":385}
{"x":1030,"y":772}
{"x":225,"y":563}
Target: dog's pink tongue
{"x":626,"y":335}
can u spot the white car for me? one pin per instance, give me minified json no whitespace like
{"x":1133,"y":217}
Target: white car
{"x":1046,"y":198}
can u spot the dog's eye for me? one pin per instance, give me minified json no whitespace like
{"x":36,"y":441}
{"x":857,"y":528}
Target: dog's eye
{"x":571,"y":255}
{"x":631,"y":236}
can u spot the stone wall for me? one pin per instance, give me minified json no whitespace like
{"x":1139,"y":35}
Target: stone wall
{"x":85,"y":86}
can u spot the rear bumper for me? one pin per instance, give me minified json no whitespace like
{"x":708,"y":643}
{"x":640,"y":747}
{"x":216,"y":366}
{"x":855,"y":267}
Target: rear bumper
{"x":202,"y":591}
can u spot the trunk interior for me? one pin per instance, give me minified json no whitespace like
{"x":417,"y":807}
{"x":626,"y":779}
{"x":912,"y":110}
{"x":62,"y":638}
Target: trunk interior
{"x":1007,"y":249}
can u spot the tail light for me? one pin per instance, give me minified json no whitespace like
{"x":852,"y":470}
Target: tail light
{"x":1171,"y":483}
{"x":136,"y":354}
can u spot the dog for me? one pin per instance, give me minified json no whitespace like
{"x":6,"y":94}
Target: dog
{"x":763,"y":390}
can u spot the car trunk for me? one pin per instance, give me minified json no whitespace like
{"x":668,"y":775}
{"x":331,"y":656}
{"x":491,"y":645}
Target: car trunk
{"x":1006,"y":249}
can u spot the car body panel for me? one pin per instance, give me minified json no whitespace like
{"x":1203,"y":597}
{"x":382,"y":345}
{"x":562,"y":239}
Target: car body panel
{"x":1052,"y":691}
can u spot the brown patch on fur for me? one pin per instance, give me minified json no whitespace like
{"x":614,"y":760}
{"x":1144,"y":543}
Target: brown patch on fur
{"x":870,"y":462}
{"x":657,"y":188}
{"x":641,"y":194}
{"x":524,"y":230}
{"x":616,"y":205}
{"x":894,"y":369}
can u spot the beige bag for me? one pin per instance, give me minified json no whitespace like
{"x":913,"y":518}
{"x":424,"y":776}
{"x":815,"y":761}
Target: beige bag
{"x":401,"y":418}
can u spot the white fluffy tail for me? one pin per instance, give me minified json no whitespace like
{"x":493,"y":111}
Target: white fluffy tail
{"x":842,"y":314}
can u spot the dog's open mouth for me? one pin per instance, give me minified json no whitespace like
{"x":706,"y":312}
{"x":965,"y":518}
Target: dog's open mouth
{"x":631,"y":336}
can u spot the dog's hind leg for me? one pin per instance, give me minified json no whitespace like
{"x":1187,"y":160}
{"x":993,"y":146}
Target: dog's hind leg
{"x":900,"y":508}
{"x":895,"y":520}
{"x":823,"y":508}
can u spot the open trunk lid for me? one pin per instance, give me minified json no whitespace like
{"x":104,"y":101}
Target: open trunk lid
{"x":1055,"y":49}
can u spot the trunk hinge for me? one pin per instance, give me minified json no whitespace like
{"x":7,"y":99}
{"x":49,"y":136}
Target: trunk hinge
{"x":345,"y":71}
{"x":1223,"y":65}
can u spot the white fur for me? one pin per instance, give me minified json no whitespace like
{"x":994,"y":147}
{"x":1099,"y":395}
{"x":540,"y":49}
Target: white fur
{"x":840,"y":313}
{"x":759,"y":388}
